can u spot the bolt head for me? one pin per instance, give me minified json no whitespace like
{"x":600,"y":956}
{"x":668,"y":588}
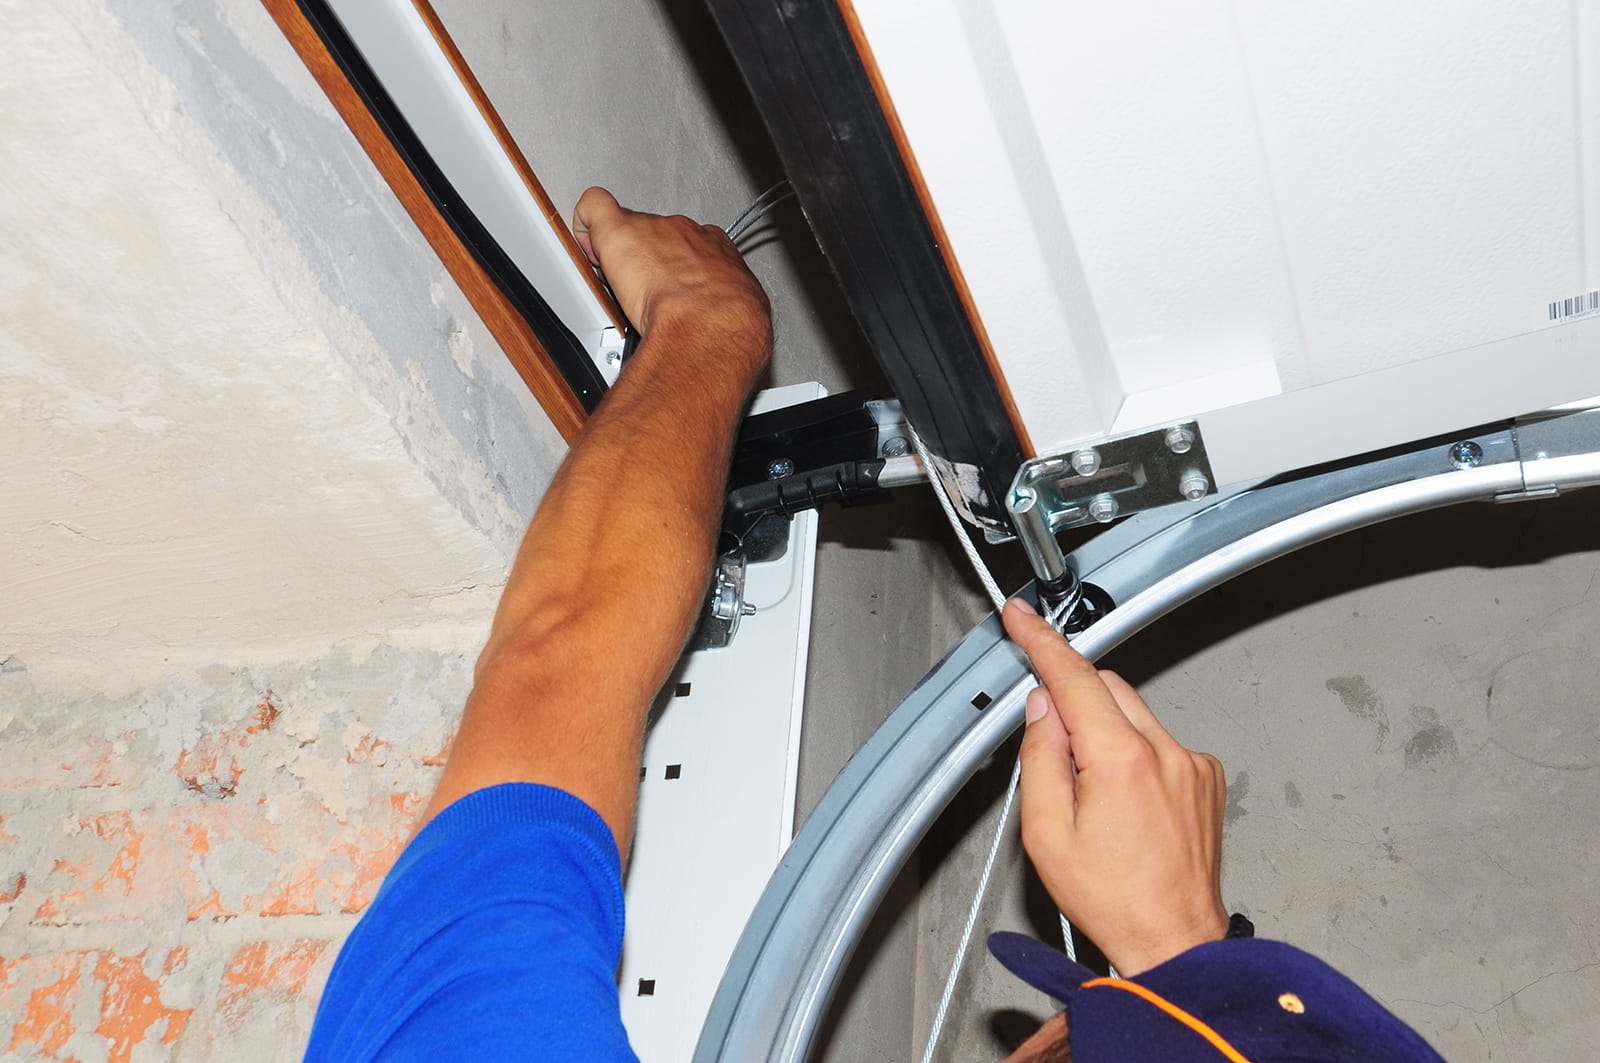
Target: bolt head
{"x":896,"y":447}
{"x":613,"y":357}
{"x":1466,"y":455}
{"x":1194,"y":485}
{"x":780,"y":468}
{"x":1086,"y":462}
{"x":1104,"y":509}
{"x":1180,"y":439}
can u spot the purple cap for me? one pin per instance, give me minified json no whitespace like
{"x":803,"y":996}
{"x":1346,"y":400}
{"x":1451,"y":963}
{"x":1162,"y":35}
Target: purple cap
{"x":1243,"y":1000}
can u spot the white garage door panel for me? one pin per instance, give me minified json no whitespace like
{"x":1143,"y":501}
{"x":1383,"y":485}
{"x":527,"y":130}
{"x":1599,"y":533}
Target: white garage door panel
{"x":1426,"y":169}
{"x":1154,"y":154}
{"x":1164,"y":209}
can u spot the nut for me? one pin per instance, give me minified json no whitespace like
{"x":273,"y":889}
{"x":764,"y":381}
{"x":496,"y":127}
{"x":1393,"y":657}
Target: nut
{"x":1194,"y":485}
{"x":1180,"y":439}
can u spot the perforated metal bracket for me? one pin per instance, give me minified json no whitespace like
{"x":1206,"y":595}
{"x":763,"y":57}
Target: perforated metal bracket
{"x":725,"y":605}
{"x":1097,"y":483}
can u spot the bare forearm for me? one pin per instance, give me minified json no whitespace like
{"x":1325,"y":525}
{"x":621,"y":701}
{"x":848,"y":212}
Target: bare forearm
{"x":608,"y":580}
{"x":623,"y":539}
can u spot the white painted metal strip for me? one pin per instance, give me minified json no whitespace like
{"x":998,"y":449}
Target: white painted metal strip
{"x":397,"y":44}
{"x":952,"y":85}
{"x":716,"y":803}
{"x":1415,"y":400}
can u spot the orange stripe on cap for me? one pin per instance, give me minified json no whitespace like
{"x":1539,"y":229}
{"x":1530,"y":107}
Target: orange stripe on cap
{"x":1216,"y":1039}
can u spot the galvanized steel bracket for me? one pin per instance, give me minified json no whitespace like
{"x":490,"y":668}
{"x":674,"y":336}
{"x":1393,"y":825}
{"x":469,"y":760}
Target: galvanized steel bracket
{"x":1098,"y":482}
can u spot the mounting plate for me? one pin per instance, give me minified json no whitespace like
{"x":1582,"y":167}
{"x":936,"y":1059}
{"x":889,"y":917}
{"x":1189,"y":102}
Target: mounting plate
{"x":1098,"y":482}
{"x":1095,"y":483}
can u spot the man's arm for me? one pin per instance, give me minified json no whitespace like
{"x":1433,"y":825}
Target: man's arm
{"x":605,"y":587}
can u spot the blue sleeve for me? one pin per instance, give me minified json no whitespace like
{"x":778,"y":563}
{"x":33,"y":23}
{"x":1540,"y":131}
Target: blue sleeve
{"x":496,"y":936}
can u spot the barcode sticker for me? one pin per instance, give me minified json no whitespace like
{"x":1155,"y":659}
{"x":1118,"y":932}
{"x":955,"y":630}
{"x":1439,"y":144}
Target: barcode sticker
{"x":1577,"y":306}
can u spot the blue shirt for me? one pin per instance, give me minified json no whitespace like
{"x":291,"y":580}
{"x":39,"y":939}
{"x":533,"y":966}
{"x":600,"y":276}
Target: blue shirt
{"x":495,"y":936}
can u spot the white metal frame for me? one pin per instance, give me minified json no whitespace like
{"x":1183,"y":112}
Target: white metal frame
{"x":397,"y":43}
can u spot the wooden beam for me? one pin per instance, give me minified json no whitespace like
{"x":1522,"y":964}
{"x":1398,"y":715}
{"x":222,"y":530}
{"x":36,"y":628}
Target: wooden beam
{"x":504,"y":321}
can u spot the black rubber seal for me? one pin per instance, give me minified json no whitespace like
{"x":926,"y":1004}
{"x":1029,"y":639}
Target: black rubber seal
{"x":565,"y":352}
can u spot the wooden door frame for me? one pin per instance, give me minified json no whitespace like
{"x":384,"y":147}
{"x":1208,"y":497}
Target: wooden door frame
{"x":549,"y":357}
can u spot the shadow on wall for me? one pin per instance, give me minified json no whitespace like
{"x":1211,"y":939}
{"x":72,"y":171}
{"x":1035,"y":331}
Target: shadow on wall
{"x":1475,"y":536}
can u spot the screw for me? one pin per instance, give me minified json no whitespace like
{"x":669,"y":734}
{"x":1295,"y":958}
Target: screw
{"x":1466,"y":455}
{"x":613,"y":357}
{"x":1180,"y":439}
{"x":1022,"y":500}
{"x":1194,"y":485}
{"x":1104,"y":509}
{"x":780,"y":468}
{"x":1086,"y":462}
{"x":747,"y":609}
{"x":896,"y":447}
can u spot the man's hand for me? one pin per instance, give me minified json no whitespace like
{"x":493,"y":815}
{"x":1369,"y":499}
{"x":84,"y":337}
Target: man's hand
{"x":1123,"y":824}
{"x":661,"y":266}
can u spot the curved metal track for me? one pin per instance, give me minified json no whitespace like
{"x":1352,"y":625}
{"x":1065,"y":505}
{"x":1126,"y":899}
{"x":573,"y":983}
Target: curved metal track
{"x":781,"y":977}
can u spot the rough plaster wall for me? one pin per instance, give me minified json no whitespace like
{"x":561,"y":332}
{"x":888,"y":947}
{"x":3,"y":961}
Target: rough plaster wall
{"x":1407,"y":716}
{"x":237,"y":617}
{"x":889,"y":602}
{"x":181,"y":864}
{"x":232,"y":95}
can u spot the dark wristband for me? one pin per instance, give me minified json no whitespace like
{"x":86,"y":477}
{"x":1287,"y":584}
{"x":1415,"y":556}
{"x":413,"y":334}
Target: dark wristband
{"x":1240,"y":927}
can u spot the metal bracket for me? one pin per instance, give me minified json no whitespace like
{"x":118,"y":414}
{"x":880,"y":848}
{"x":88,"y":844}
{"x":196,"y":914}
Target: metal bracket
{"x":725,"y":606}
{"x":845,"y":448}
{"x":717,"y":787}
{"x":612,"y":352}
{"x":1098,"y":482}
{"x":894,"y":439}
{"x":1557,"y":452}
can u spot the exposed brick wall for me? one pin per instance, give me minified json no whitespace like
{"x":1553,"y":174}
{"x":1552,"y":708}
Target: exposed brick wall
{"x":179,"y":866}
